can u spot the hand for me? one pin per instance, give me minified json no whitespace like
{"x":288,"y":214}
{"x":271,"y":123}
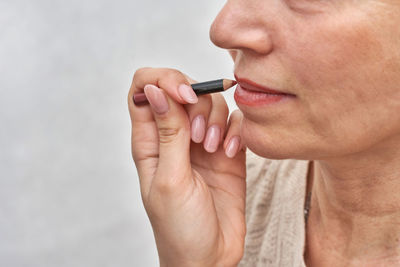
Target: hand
{"x":193,"y":193}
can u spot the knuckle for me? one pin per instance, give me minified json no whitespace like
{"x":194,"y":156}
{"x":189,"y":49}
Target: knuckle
{"x":219,"y":100}
{"x":204,"y":105}
{"x":236,"y":115}
{"x":225,"y":109}
{"x":168,"y":185}
{"x":174,"y":74}
{"x":206,"y":99}
{"x":218,"y":97}
{"x":140,"y":72}
{"x":164,"y":187}
{"x":168,"y":134}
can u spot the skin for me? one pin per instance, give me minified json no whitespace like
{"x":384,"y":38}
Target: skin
{"x":195,"y":198}
{"x":341,"y":60}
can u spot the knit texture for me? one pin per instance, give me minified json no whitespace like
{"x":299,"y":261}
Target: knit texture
{"x":275,"y":212}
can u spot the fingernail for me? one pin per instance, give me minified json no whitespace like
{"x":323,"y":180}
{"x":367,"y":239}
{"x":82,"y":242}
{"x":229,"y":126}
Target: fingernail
{"x":212,"y":139}
{"x":232,"y":147}
{"x":187,"y":93}
{"x":198,"y":128}
{"x":156,"y":98}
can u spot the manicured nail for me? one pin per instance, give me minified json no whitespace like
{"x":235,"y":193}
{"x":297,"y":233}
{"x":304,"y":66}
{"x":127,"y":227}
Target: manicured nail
{"x":187,"y":93}
{"x":212,"y":139}
{"x":198,"y":129}
{"x":156,"y":98}
{"x":232,"y":147}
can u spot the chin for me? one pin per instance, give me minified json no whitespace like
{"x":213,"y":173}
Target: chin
{"x":259,"y":142}
{"x":265,"y":152}
{"x":273,"y":144}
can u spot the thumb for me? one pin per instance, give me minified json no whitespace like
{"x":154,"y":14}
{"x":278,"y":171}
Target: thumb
{"x":173,"y":132}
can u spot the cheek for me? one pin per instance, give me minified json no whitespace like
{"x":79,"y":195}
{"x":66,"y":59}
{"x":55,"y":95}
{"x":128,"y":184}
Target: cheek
{"x":349,"y":77}
{"x":330,"y":53}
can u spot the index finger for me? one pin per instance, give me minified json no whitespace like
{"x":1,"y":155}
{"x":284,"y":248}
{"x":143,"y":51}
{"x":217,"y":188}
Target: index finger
{"x":167,"y":79}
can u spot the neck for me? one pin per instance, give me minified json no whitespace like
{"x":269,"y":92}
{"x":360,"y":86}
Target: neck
{"x":355,"y":208}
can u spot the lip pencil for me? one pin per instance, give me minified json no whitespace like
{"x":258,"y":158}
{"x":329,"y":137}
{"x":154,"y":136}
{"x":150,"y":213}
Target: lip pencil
{"x":199,"y":89}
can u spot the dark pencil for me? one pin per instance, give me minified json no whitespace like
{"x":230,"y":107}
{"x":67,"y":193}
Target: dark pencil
{"x":199,"y":89}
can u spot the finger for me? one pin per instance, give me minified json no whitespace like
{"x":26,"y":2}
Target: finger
{"x":173,"y":82}
{"x":141,"y":116}
{"x":198,"y":115}
{"x":174,"y":138}
{"x":144,"y":134}
{"x":142,"y":113}
{"x":144,"y":130}
{"x":144,"y":141}
{"x":216,"y":123}
{"x":233,"y":142}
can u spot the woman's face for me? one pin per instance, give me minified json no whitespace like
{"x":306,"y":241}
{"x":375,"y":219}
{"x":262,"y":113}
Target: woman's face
{"x":341,"y":58}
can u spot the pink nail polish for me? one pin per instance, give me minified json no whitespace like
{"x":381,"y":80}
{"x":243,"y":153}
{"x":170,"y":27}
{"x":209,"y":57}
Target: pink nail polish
{"x":198,"y":129}
{"x":212,"y":139}
{"x":187,"y":93}
{"x":232,"y":147}
{"x":156,"y":98}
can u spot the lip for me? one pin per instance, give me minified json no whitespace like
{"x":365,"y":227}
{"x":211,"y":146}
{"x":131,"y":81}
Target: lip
{"x":249,"y":93}
{"x":252,"y":86}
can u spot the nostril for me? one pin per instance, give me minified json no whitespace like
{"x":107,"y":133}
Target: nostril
{"x":233,"y":53}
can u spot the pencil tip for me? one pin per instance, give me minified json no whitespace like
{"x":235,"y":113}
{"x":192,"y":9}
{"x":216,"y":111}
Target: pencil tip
{"x":229,"y":83}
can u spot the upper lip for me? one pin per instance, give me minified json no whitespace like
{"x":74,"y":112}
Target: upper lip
{"x":252,"y":86}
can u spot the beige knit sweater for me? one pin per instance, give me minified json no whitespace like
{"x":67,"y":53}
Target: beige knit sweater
{"x":275,"y":212}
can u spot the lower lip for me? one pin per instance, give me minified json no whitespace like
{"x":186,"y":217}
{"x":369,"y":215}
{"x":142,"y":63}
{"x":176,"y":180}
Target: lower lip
{"x":253,"y":98}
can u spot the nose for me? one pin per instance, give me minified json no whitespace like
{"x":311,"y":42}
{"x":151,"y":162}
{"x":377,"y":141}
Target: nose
{"x":241,"y":26}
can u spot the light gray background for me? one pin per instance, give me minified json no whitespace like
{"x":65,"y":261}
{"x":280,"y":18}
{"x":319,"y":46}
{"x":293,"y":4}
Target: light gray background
{"x":69,"y":193}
